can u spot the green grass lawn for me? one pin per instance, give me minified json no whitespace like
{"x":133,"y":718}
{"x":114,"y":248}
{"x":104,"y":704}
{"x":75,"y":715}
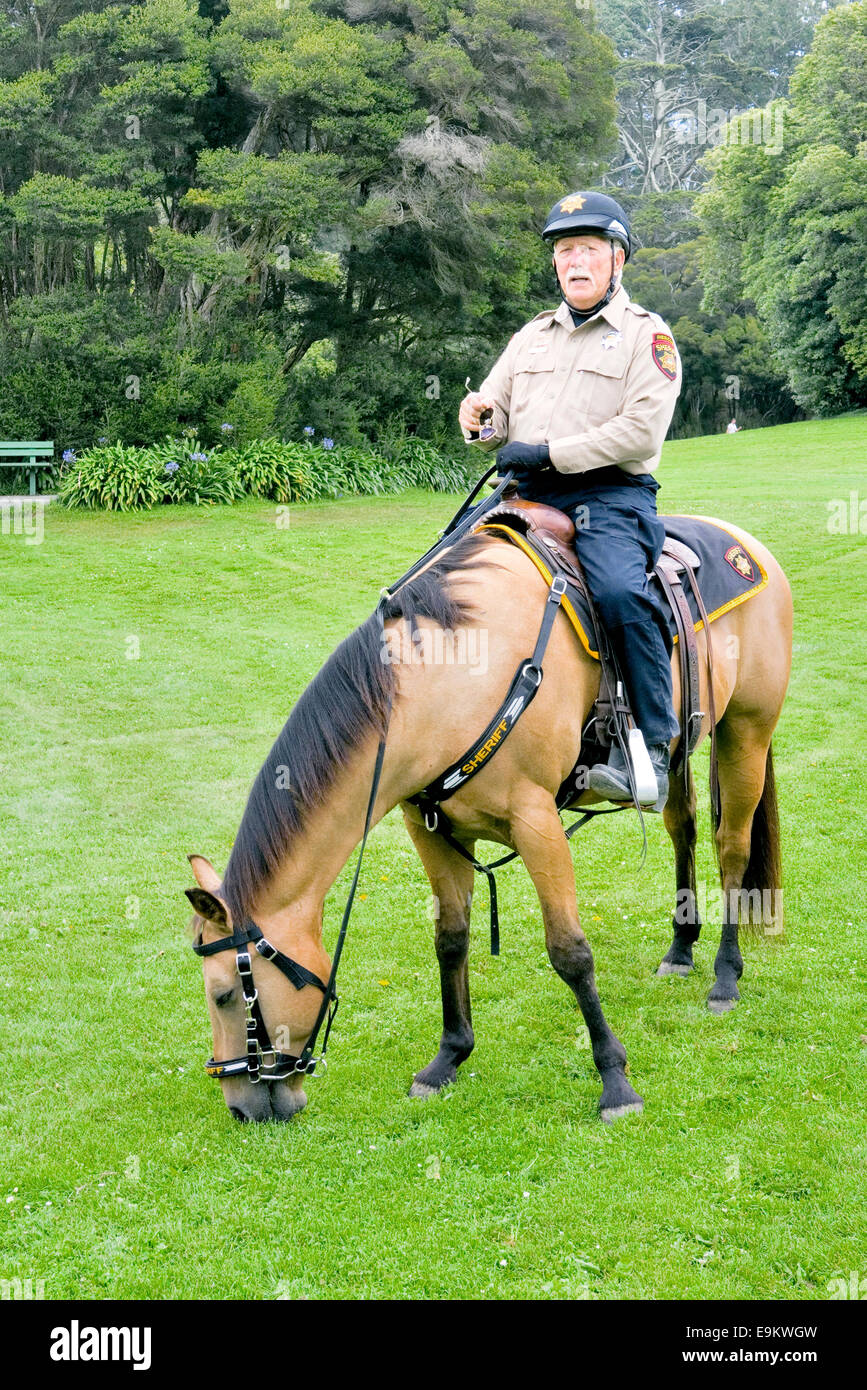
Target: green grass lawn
{"x":148,"y":663}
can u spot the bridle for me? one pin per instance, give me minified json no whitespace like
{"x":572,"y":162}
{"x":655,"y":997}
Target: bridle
{"x":259,"y":1045}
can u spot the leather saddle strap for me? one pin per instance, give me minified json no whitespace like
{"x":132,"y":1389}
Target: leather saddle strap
{"x":714,"y":765}
{"x":690,"y":725}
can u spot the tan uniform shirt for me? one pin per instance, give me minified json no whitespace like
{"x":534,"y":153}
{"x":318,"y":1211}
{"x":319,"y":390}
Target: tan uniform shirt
{"x":598,"y":394}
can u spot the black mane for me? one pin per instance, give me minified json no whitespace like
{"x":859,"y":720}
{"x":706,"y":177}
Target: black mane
{"x":347,"y":701}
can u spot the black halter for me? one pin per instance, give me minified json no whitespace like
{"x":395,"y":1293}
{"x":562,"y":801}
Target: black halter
{"x":259,"y":1045}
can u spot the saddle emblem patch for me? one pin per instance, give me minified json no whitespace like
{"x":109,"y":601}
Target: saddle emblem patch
{"x":740,"y":561}
{"x":664,"y":355}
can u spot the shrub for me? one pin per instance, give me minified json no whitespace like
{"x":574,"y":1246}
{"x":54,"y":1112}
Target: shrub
{"x":270,"y":468}
{"x":118,"y":477}
{"x":418,"y":463}
{"x":345,"y":470}
{"x":190,"y":474}
{"x":124,"y":477}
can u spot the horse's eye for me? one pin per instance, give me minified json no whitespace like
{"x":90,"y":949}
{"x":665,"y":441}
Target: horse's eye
{"x":221,"y":1000}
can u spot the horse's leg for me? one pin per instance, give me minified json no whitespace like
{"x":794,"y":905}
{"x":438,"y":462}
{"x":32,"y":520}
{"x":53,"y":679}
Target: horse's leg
{"x":679,"y":817}
{"x":451,"y":879}
{"x":539,"y":839}
{"x":745,"y":781}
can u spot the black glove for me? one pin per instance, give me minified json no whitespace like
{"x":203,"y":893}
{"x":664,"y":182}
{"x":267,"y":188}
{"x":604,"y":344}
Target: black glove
{"x":523,"y":456}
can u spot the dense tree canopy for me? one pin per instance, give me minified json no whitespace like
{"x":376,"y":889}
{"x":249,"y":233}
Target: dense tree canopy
{"x":789,"y":231}
{"x":365,"y":178}
{"x":329,"y":210}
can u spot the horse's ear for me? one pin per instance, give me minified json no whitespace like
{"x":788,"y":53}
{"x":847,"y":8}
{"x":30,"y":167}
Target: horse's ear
{"x":209,"y":907}
{"x":204,"y":873}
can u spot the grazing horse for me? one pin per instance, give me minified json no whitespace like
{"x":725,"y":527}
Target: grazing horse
{"x":307,"y":809}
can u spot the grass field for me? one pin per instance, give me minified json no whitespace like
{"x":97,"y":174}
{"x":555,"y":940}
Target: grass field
{"x":148,"y":662}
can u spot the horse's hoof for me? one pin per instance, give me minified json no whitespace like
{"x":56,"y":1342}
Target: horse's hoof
{"x":419,"y":1091}
{"x":666,"y":968}
{"x":616,"y":1112}
{"x":721,"y":1006}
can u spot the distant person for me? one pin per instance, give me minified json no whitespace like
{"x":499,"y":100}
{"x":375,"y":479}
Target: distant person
{"x":732,"y":427}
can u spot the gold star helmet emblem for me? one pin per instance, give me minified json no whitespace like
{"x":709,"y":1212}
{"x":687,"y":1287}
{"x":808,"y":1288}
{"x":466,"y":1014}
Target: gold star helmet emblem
{"x":574,"y":203}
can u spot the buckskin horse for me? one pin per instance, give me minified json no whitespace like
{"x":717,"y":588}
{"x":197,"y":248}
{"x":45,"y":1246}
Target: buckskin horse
{"x":370,"y":732}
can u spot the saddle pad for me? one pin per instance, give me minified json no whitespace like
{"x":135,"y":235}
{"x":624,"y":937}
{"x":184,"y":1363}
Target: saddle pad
{"x":728,"y":574}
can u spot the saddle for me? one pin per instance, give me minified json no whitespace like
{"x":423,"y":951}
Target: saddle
{"x":551,"y":533}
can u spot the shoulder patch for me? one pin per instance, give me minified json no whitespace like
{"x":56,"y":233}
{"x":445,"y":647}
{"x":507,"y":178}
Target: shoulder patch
{"x":664,"y":354}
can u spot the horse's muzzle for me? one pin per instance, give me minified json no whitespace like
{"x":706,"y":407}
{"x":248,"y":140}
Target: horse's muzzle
{"x":275,"y":1101}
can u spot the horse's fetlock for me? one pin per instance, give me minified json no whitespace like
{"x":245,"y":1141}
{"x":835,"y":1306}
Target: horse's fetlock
{"x":459,"y":1043}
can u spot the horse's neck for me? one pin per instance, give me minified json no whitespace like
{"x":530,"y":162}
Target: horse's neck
{"x":324,"y":843}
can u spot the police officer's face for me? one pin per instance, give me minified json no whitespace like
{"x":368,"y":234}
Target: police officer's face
{"x":583,"y":266}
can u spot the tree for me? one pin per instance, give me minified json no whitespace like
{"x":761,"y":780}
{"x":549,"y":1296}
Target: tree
{"x":790,"y":232}
{"x":377,"y":189}
{"x":685,"y":67}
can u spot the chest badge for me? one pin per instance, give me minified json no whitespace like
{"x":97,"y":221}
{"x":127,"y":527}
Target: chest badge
{"x":612,"y":340}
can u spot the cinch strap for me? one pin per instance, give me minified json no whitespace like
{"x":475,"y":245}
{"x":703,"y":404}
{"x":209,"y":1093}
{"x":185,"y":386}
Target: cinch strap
{"x":522,"y":691}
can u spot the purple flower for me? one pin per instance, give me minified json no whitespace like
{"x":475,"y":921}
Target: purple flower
{"x":328,"y":443}
{"x":69,"y":456}
{"x":226,"y":428}
{"x":200,"y":458}
{"x":103,"y":439}
{"x":172,"y":467}
{"x":308,"y":429}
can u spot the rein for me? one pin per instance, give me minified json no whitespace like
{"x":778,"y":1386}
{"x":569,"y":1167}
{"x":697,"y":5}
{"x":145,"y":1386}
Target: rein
{"x":259,"y":1045}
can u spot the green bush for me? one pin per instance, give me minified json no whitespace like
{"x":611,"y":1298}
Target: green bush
{"x":272,"y":468}
{"x":418,"y":463}
{"x":125,"y":477}
{"x":190,"y":474}
{"x":117,"y":477}
{"x":345,"y":470}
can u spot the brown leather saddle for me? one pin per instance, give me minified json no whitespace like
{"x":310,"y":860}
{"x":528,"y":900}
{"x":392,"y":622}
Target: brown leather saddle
{"x":552,"y":534}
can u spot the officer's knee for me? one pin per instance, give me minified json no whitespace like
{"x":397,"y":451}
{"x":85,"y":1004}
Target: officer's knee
{"x":620,"y":603}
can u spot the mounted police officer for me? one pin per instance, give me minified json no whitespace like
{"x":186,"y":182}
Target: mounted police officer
{"x":582,"y":399}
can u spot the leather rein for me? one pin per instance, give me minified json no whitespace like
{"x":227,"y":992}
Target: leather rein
{"x":259,"y":1045}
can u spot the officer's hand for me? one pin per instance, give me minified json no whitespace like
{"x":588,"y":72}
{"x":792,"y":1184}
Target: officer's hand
{"x":523,"y":456}
{"x":471,"y":409}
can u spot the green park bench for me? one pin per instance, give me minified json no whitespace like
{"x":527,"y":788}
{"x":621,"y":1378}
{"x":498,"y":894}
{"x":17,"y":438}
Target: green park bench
{"x":27,"y":455}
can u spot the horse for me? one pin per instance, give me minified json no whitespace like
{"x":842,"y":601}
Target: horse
{"x":314,"y":799}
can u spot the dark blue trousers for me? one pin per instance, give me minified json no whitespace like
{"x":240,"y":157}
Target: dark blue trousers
{"x":619,"y":537}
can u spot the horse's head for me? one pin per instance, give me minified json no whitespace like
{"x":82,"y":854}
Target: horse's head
{"x":263,"y":1003}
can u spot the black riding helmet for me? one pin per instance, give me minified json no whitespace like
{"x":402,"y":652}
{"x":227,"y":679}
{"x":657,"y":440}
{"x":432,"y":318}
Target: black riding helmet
{"x":589,"y":212}
{"x":579,"y":213}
